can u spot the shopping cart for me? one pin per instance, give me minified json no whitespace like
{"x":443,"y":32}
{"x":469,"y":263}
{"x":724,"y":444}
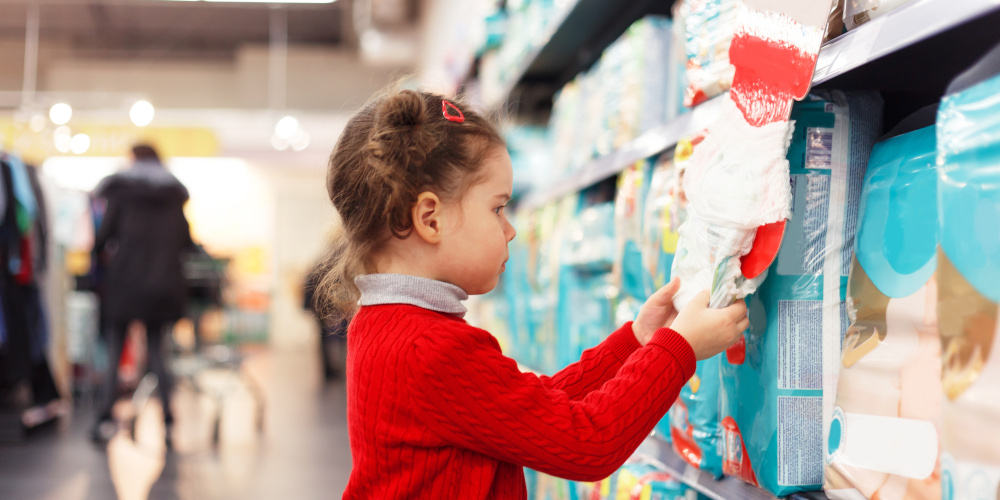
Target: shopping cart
{"x":214,"y":364}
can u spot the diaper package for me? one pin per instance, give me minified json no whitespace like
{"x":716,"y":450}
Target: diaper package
{"x":694,"y":419}
{"x":637,"y":480}
{"x":631,"y":276}
{"x":968,"y":145}
{"x":706,"y":31}
{"x":662,"y":214}
{"x":778,"y":384}
{"x":883,"y":437}
{"x":585,"y":309}
{"x":858,"y":12}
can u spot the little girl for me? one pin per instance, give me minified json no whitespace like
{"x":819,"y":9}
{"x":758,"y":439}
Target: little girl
{"x":434,"y":408}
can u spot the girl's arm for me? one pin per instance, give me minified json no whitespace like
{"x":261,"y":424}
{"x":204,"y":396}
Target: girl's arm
{"x":597,"y":365}
{"x":471,"y":396}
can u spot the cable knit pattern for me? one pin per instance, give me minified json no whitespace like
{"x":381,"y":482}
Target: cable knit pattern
{"x":436,"y":411}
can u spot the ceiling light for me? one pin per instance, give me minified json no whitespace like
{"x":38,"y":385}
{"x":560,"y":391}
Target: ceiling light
{"x":279,"y":143}
{"x":286,"y":128}
{"x":62,"y":137}
{"x":141,"y":113}
{"x":60,"y":113}
{"x":37,"y":123}
{"x":300,"y":141}
{"x":79,"y":144}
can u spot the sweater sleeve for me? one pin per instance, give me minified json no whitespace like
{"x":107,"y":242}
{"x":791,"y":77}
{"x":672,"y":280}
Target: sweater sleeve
{"x":597,"y":365}
{"x":471,"y":396}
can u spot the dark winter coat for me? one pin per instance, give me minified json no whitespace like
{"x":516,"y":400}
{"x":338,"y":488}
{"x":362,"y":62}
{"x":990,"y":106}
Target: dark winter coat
{"x":143,"y":237}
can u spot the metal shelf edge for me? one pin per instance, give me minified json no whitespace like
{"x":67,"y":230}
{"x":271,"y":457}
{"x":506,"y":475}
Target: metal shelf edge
{"x":896,"y":30}
{"x":660,"y":454}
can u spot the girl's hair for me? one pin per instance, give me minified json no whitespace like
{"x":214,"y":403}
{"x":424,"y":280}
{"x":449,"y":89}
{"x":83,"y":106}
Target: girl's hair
{"x":397,"y":146}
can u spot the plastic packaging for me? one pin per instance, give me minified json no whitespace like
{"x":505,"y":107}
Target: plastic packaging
{"x":630,"y":274}
{"x":637,"y":480}
{"x":858,"y":12}
{"x":778,"y":384}
{"x":706,"y":34}
{"x":883,"y":439}
{"x":694,"y":419}
{"x":968,"y":133}
{"x":662,"y":216}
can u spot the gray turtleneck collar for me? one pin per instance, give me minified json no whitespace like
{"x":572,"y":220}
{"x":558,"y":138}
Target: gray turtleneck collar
{"x":386,"y":288}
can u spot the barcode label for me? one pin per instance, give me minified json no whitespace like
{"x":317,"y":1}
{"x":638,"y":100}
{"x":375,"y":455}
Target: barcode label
{"x":819,"y":148}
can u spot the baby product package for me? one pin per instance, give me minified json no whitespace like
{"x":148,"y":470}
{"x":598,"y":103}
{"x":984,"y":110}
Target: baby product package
{"x":585,"y":309}
{"x":968,"y":145}
{"x":658,"y":241}
{"x":637,"y":480}
{"x":778,"y":383}
{"x":858,"y":12}
{"x":883,"y":438}
{"x":632,"y":277}
{"x":707,"y":30}
{"x":694,"y":419}
{"x":663,"y":213}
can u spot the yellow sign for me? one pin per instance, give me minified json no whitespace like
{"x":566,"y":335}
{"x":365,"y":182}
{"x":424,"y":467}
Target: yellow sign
{"x":109,"y":140}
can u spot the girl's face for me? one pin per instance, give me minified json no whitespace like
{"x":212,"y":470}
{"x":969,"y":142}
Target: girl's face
{"x":474,"y":246}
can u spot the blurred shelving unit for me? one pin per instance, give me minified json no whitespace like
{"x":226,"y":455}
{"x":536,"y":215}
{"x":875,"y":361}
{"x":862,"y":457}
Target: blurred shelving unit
{"x":948,"y":34}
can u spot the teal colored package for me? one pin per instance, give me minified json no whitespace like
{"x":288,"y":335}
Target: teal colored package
{"x":898,"y":235}
{"x":778,"y":385}
{"x":585,"y":310}
{"x":891,"y":356}
{"x":968,"y":133}
{"x":694,"y":419}
{"x":630,"y":200}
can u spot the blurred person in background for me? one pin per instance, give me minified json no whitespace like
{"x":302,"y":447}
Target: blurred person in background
{"x":141,"y":242}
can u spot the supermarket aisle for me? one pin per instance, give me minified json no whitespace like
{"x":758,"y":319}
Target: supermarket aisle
{"x":303,"y":452}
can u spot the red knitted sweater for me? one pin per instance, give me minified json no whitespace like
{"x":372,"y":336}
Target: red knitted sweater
{"x":436,"y":411}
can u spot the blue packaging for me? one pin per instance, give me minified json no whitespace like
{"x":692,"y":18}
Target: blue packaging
{"x":694,"y":419}
{"x":891,"y":354}
{"x":778,"y":383}
{"x":968,"y":138}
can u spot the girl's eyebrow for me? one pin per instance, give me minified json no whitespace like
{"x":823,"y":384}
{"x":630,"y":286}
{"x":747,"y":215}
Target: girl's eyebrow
{"x":503,"y":196}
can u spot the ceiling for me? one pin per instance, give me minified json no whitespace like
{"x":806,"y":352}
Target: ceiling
{"x":159,"y":29}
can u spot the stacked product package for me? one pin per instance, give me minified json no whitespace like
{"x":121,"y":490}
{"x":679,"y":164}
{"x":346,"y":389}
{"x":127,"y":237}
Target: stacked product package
{"x":778,"y":382}
{"x":629,"y":91}
{"x":858,"y":12}
{"x":637,"y":481}
{"x":632,"y":280}
{"x":694,"y":418}
{"x":883,"y":436}
{"x":706,"y":29}
{"x":968,"y":149}
{"x":585,"y":310}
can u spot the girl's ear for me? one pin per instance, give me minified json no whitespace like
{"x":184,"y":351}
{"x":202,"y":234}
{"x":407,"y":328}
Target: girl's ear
{"x":427,"y":217}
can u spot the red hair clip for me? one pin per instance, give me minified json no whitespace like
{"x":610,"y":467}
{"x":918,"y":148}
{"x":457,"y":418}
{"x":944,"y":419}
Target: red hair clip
{"x":452,"y":118}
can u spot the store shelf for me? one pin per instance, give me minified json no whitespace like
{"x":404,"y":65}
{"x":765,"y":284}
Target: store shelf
{"x":895,"y":31}
{"x":648,"y":144}
{"x":571,"y":43}
{"x":951,"y":33}
{"x":662,"y":455}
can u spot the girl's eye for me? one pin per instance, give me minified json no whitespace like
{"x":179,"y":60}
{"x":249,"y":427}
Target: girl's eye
{"x":499,"y":209}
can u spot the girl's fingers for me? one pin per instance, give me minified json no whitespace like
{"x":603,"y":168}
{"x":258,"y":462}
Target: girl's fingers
{"x":738,"y":310}
{"x":665,"y":295}
{"x":743,"y":324}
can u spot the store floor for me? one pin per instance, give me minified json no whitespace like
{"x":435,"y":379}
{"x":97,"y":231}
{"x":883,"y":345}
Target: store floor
{"x":302,"y":453}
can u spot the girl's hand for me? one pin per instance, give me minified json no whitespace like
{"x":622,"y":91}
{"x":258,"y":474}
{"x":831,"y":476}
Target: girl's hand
{"x":658,"y":312}
{"x":711,"y":331}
